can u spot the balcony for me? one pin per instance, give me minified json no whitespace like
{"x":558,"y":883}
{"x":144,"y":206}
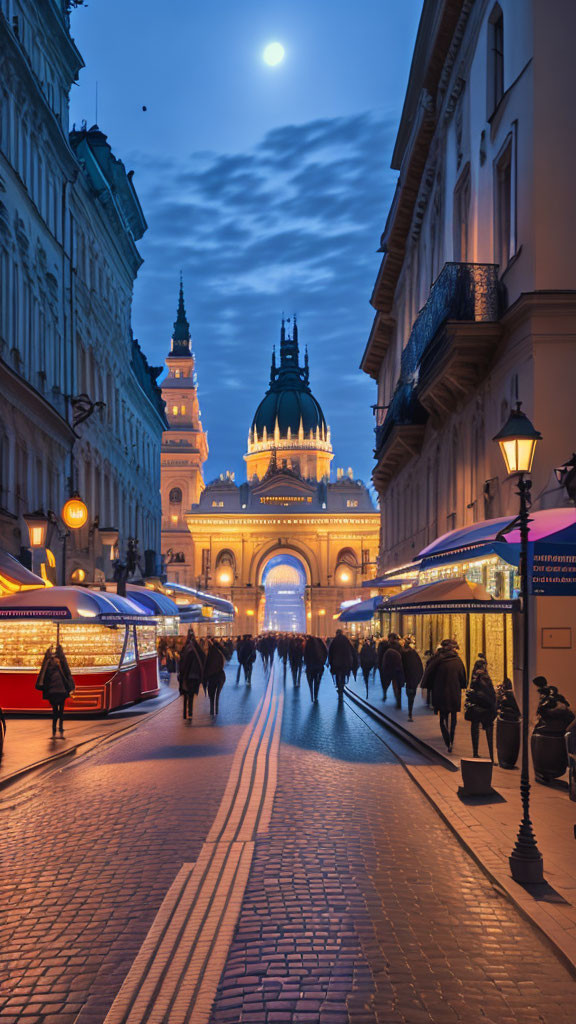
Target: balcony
{"x":400,"y":436}
{"x":448,"y":352}
{"x":455,"y":335}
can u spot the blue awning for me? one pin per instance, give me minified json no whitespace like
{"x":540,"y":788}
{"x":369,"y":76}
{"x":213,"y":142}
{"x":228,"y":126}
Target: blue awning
{"x":220,"y":603}
{"x":361,"y":612}
{"x":152,"y":601}
{"x":507,"y":552}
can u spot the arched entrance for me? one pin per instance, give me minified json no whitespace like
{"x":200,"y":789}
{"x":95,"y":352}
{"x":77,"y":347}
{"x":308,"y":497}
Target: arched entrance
{"x":284,"y":581}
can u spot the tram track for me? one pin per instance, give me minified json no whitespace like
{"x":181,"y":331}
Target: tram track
{"x":175,"y":975}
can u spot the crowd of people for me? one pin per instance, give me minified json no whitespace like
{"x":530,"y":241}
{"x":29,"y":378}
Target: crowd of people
{"x":193,"y":663}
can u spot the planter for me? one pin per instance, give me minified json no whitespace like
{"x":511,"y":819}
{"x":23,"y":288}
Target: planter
{"x":549,"y":755}
{"x":476,"y":776}
{"x":507,"y":742}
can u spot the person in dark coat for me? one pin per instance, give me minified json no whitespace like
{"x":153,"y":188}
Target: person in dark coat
{"x":295,"y":656}
{"x":368,"y":660}
{"x":413,"y":671}
{"x":315,"y":654}
{"x":480,"y":706}
{"x":445,"y":675}
{"x":56,"y":682}
{"x":424,"y":684}
{"x":214,"y":673}
{"x":246,"y":657}
{"x":282,"y":648}
{"x":342,"y":659}
{"x":190,"y":674}
{"x":392,"y":669}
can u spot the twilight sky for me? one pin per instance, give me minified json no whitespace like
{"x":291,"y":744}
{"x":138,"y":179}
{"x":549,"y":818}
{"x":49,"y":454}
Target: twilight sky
{"x":268,"y":187}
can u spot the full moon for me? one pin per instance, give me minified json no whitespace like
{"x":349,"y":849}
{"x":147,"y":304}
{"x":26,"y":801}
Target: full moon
{"x":273,"y":54}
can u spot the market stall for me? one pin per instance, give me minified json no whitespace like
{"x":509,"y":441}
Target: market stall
{"x":109,"y":641}
{"x":163,"y":608}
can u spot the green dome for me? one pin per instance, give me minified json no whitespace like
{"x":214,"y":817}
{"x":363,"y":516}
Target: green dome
{"x":289,"y":400}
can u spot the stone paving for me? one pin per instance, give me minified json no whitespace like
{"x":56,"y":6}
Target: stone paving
{"x":362,"y":907}
{"x":85,"y":863}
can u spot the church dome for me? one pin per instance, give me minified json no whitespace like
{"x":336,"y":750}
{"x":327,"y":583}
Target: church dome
{"x":289,"y":405}
{"x":289,"y":408}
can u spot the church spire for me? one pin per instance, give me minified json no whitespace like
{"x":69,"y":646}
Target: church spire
{"x":181,"y":336}
{"x":289,"y":355}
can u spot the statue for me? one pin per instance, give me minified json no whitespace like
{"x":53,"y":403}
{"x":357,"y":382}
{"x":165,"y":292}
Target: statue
{"x":507,"y":725}
{"x":549,"y":753}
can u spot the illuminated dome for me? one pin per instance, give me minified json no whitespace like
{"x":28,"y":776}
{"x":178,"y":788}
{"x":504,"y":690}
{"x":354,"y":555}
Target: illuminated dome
{"x":289,"y":431}
{"x":289,"y":407}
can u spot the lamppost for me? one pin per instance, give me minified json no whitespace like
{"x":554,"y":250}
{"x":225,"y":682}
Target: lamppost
{"x":518,"y":439}
{"x":37,"y":523}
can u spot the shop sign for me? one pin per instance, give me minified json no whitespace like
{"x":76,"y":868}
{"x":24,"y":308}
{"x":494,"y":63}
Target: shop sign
{"x":552,"y":569}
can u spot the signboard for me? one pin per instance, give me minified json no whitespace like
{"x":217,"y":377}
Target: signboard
{"x":34,"y":613}
{"x":552,"y":569}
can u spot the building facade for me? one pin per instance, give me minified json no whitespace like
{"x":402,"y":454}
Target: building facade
{"x":80,"y":406}
{"x":184,"y":450}
{"x":289,"y":545}
{"x":475,"y":297}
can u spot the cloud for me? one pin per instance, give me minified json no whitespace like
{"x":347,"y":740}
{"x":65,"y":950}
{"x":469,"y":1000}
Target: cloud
{"x":291,"y":225}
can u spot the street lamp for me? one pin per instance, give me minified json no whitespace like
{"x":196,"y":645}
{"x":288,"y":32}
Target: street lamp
{"x":518,"y":439}
{"x":37,"y":523}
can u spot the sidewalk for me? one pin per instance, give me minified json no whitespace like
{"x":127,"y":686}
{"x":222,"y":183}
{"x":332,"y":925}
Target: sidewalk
{"x":487,"y":827}
{"x":29,"y":743}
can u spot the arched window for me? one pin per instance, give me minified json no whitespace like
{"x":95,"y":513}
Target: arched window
{"x":225,"y":567}
{"x":495,"y":62}
{"x":175,"y":496}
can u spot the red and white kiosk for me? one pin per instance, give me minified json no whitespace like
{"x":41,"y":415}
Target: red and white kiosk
{"x":109,"y":642}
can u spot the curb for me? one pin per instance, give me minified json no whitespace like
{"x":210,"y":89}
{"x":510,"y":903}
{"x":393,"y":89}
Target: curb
{"x":404,"y":734}
{"x":563,"y":945}
{"x":69,"y":752}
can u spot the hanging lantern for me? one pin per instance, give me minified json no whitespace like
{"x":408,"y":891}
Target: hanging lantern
{"x":75,"y":513}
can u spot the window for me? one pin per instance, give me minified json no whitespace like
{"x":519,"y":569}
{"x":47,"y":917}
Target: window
{"x":174,"y":410}
{"x":352,"y":503}
{"x":495,"y":59}
{"x":175,"y":496}
{"x":462,"y":216}
{"x":504,"y":234}
{"x":217,"y":504}
{"x":182,"y":410}
{"x":177,"y":374}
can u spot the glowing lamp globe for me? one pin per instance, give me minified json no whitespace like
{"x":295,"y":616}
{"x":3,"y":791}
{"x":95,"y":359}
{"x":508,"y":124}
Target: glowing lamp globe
{"x":78,"y":576}
{"x":518,"y":439}
{"x":225,"y":577}
{"x":75,"y":513}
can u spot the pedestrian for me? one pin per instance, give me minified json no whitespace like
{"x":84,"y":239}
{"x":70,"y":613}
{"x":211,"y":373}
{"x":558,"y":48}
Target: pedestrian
{"x":190,"y":675}
{"x":295,"y":656}
{"x":246,"y":657}
{"x":368,"y":661}
{"x":342,"y":658}
{"x":56,"y":683}
{"x":429,"y":654}
{"x":445,"y":675}
{"x":172,"y":659}
{"x":392,"y":669}
{"x":315,"y":654}
{"x":480,"y":706}
{"x":214,"y":673}
{"x":413,"y":671}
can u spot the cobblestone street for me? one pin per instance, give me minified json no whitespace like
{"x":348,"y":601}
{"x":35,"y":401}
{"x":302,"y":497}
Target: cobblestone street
{"x":359,"y":906}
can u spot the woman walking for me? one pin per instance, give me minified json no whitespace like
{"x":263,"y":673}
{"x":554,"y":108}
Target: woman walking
{"x":56,"y":682}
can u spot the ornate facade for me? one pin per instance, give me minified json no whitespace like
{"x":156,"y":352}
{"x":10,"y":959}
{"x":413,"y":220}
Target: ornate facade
{"x":288,"y":515}
{"x":475,"y":299}
{"x":69,"y":223}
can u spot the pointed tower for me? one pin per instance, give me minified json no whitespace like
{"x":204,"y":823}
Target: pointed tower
{"x":184,"y":445}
